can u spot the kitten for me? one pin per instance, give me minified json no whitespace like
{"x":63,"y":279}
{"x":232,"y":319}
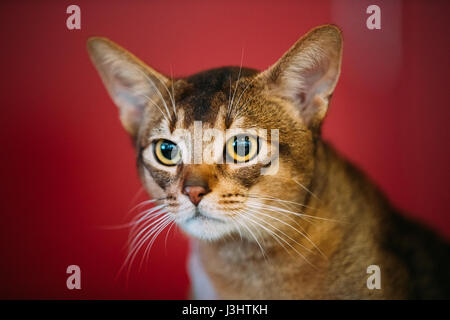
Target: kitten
{"x":308,"y":229}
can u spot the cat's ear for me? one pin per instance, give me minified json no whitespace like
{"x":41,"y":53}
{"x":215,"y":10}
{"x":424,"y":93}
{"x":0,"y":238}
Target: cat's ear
{"x":130,"y":83}
{"x":308,"y":72}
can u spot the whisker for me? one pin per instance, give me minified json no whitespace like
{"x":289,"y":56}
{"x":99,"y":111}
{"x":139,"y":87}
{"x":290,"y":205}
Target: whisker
{"x":129,"y":258}
{"x":173,"y":92}
{"x":144,"y":203}
{"x":233,"y":219}
{"x":267,"y":197}
{"x":167,"y":234}
{"x":138,"y":242}
{"x":229,"y":99}
{"x":290,"y":238}
{"x":306,"y":189}
{"x":241,"y":108}
{"x":271,"y":233}
{"x":304,"y":234}
{"x":138,"y":230}
{"x":136,"y":248}
{"x":157,"y":90}
{"x":135,"y":221}
{"x":286,"y":205}
{"x":152,"y":240}
{"x":146,"y":215}
{"x":278,"y":236}
{"x":273,"y":208}
{"x":242,"y":223}
{"x":140,"y":235}
{"x":246,"y":87}
{"x":156,"y":105}
{"x":170,"y":96}
{"x":237,"y":83}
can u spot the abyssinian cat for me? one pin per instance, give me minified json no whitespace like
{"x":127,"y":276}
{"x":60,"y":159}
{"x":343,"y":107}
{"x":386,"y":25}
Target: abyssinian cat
{"x":309,"y":227}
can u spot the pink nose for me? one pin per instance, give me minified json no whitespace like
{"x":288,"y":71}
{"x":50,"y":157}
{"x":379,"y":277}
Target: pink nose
{"x":195,"y":193}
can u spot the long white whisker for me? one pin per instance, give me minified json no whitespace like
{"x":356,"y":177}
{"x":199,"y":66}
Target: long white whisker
{"x":170,"y":96}
{"x":242,"y":223}
{"x":155,"y":235}
{"x":146,"y":216}
{"x":272,"y":208}
{"x":290,"y":238}
{"x":157,"y":91}
{"x":246,"y":87}
{"x":237,"y":82}
{"x":266,"y":197}
{"x":136,"y":232}
{"x":134,"y":238}
{"x":156,"y":105}
{"x":304,"y":234}
{"x":136,"y":245}
{"x":173,"y":92}
{"x":278,"y":236}
{"x":288,"y":216}
{"x":135,"y":221}
{"x":131,"y":252}
{"x":229,"y":99}
{"x":241,"y":108}
{"x":271,"y":233}
{"x":237,"y":226}
{"x":168,"y":231}
{"x":143,"y":203}
{"x":306,"y":189}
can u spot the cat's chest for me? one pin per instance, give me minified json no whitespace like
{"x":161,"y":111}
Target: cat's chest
{"x":229,"y":278}
{"x":201,"y":285}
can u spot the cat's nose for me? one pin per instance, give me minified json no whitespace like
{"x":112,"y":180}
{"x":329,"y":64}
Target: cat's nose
{"x":195,"y":193}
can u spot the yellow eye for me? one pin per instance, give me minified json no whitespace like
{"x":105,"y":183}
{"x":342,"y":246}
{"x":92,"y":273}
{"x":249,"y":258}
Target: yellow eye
{"x":167,"y":152}
{"x":242,"y":148}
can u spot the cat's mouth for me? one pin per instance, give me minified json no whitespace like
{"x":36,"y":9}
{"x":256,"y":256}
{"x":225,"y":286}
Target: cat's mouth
{"x":199,"y":216}
{"x":206,"y":225}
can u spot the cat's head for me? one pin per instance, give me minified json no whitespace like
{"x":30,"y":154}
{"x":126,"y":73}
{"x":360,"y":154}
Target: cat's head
{"x":251,"y":172}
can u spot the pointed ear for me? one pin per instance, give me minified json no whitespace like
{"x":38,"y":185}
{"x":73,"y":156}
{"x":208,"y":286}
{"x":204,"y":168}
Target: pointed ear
{"x":308,"y":72}
{"x":131,"y":84}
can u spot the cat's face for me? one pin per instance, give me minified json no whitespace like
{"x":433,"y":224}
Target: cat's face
{"x":220,"y":193}
{"x":228,"y":151}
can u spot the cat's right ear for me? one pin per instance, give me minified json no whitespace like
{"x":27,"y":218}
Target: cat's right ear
{"x":130,"y":82}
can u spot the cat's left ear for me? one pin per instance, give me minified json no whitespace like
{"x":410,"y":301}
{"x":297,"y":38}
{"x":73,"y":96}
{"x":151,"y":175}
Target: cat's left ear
{"x":308,"y":72}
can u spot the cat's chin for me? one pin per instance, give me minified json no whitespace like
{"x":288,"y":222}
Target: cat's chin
{"x":205,"y":228}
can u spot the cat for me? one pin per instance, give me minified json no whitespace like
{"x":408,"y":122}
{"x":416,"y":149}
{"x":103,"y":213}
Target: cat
{"x":312,"y":227}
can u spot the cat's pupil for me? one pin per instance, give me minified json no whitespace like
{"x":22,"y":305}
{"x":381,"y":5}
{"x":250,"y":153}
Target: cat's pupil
{"x":169,"y":150}
{"x":242,"y":146}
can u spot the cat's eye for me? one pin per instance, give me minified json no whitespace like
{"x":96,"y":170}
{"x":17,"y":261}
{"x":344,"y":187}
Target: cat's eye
{"x":242,"y":148}
{"x":167,"y":152}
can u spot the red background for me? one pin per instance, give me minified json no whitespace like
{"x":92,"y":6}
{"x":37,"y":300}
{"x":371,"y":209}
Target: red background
{"x":67,"y":166}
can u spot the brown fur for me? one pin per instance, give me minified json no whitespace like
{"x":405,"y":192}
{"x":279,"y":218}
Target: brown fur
{"x":349,"y":225}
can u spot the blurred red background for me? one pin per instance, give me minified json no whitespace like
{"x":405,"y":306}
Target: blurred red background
{"x":68,"y":168}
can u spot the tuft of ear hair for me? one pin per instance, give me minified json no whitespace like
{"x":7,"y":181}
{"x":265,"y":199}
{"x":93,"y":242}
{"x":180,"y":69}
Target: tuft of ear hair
{"x":131,"y":84}
{"x":308,"y":72}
